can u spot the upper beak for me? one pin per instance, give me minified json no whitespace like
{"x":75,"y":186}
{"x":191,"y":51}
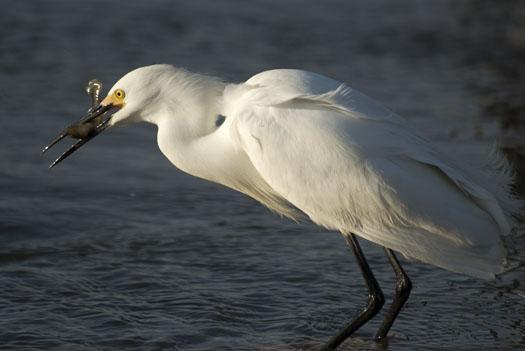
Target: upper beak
{"x":94,"y":123}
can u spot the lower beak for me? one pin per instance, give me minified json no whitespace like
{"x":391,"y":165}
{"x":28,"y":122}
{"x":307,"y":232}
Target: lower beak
{"x":84,"y":130}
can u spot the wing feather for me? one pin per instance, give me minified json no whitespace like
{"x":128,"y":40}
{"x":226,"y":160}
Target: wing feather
{"x":354,"y":166}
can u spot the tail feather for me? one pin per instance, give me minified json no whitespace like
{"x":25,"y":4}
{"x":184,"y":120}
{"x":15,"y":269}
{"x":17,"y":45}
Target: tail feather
{"x":497,"y":175}
{"x":487,"y":180}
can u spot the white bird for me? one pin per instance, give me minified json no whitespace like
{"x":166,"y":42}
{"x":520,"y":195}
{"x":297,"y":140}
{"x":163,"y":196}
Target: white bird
{"x":304,"y":144}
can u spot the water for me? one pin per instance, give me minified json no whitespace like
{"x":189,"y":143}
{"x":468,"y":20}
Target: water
{"x":115,"y":249}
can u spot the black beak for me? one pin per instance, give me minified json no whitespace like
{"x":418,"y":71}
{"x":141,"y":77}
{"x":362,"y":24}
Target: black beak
{"x":94,"y":123}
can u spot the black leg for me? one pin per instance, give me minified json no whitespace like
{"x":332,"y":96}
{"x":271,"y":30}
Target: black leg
{"x":375,"y":298}
{"x":403,"y":287}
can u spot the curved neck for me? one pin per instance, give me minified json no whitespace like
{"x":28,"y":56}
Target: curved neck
{"x":190,"y":103}
{"x":187,"y":132}
{"x":189,"y":137}
{"x":206,"y":156}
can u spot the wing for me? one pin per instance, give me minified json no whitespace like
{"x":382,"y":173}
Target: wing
{"x":354,"y":166}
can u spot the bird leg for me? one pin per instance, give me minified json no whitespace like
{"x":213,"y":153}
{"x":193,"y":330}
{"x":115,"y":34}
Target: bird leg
{"x":374,"y":303}
{"x":403,"y":288}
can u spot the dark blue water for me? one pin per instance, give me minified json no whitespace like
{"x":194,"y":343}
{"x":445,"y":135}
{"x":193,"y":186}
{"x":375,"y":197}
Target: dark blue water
{"x":116,"y":249}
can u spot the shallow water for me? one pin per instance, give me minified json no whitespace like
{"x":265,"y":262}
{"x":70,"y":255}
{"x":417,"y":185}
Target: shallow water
{"x":116,"y":249}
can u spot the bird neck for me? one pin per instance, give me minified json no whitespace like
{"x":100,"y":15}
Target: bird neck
{"x":188,"y":134}
{"x":190,"y":103}
{"x":190,"y":137}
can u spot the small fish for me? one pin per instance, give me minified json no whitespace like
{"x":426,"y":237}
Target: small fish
{"x":83,"y":130}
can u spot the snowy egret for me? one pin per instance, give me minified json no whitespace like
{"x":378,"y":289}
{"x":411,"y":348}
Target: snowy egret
{"x":304,"y":144}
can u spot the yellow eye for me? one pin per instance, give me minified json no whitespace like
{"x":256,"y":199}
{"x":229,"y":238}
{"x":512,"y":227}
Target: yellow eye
{"x":120,"y":94}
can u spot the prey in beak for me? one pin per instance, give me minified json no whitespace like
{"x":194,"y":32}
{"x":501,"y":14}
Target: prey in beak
{"x":94,"y":123}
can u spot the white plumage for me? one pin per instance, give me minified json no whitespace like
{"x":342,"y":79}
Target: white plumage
{"x":301,"y":143}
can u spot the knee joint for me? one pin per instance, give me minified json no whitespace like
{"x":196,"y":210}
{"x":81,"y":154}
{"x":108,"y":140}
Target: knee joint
{"x":376,"y":300}
{"x":403,"y":287}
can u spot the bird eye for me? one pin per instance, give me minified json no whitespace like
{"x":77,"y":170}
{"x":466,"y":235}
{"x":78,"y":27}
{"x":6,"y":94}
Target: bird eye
{"x":119,"y":93}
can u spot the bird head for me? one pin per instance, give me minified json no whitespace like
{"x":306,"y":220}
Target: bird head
{"x":132,"y":99}
{"x":137,"y":95}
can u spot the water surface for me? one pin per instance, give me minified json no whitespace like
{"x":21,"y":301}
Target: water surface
{"x":116,"y":249}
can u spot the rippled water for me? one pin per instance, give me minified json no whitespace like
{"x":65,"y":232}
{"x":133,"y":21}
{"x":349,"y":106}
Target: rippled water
{"x":116,"y":249}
